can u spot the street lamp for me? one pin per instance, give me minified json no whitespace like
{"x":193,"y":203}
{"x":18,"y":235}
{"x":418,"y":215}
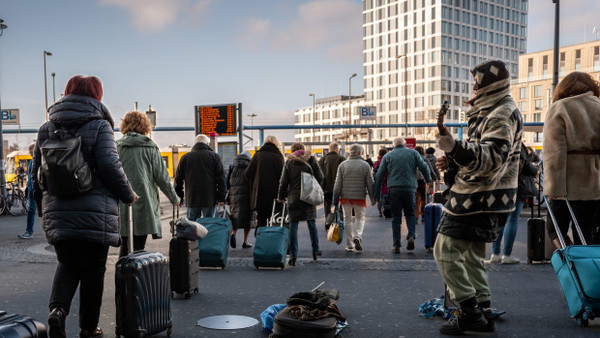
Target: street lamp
{"x":252,"y":116}
{"x":53,"y":87}
{"x":45,"y":83}
{"x":2,"y":170}
{"x":350,"y":100}
{"x":405,"y":102}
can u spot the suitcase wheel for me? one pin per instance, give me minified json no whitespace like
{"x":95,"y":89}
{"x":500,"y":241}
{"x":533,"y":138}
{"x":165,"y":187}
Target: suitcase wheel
{"x":583,"y":322}
{"x":282,"y":266}
{"x":188,"y":295}
{"x":196,"y":290}
{"x":256,"y":266}
{"x":172,"y":295}
{"x":169,"y":332}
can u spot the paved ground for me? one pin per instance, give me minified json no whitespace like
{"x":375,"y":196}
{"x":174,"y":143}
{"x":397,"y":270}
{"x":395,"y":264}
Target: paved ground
{"x":380,"y":291}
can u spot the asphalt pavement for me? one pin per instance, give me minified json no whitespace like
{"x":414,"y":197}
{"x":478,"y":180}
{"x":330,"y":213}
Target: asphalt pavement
{"x":380,"y":291}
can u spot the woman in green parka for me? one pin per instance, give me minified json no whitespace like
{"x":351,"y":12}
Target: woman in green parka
{"x":147,"y":173}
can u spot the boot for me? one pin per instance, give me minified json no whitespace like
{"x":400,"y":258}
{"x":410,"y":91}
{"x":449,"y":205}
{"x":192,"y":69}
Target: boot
{"x":56,"y":323}
{"x":469,"y":318}
{"x":488,"y":313}
{"x":97,"y":332}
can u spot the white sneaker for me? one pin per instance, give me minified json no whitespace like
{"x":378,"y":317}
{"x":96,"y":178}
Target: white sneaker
{"x":349,"y":249}
{"x":510,"y":260}
{"x":495,"y":259}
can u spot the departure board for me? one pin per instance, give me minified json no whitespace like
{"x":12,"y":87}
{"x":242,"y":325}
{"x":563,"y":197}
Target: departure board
{"x":219,"y":119}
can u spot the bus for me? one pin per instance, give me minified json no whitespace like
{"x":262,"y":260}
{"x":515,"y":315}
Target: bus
{"x":17,"y":161}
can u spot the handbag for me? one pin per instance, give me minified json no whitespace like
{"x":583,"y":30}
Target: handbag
{"x":190,"y":230}
{"x":310,"y":189}
{"x":335,"y":233}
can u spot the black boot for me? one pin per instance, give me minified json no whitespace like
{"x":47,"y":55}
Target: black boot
{"x":97,"y":332}
{"x":56,"y":322}
{"x":488,"y":313}
{"x":469,"y":318}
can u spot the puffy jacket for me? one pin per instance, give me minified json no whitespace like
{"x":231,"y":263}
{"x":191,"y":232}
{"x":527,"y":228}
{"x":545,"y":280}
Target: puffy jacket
{"x":238,"y":193}
{"x":290,"y":182}
{"x":202,"y":171}
{"x":93,"y":215}
{"x":354,"y":180}
{"x":329,"y":165}
{"x":147,"y":173}
{"x":400,"y":165}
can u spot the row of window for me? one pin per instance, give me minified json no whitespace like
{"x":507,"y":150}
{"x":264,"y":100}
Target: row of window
{"x":466,"y":17}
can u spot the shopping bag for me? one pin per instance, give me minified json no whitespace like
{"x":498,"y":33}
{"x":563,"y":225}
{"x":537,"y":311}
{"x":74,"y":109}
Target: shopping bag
{"x":310,"y":189}
{"x":333,"y":234}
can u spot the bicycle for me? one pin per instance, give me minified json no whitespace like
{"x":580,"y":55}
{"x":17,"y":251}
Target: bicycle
{"x":16,"y":202}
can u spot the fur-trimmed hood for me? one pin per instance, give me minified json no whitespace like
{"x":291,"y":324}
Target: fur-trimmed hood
{"x":298,"y":156}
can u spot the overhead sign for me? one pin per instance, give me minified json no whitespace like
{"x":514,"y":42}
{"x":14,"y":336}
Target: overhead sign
{"x":219,"y":119}
{"x":367,"y":113}
{"x":411,"y":142}
{"x":10,"y":117}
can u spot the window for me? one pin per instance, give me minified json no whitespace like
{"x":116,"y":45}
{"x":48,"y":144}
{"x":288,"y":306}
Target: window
{"x":545,"y":66}
{"x":522,"y":106}
{"x":523,"y":93}
{"x":596,"y":58}
{"x":530,"y":68}
{"x":561,"y":64}
{"x":537,"y":91}
{"x":538,"y":104}
{"x":578,"y":59}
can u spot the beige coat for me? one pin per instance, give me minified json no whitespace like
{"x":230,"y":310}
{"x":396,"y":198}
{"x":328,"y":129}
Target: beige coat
{"x":572,"y":124}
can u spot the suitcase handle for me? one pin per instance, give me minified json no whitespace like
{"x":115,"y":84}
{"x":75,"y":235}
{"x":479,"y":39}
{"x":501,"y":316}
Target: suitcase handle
{"x":574,"y":221}
{"x":217,"y":211}
{"x":272,"y":219}
{"x":130,"y":227}
{"x":172,"y":223}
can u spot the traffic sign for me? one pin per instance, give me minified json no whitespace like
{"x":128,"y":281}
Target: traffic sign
{"x":10,"y":117}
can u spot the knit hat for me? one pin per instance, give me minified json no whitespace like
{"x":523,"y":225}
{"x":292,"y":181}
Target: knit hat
{"x":489,"y":72}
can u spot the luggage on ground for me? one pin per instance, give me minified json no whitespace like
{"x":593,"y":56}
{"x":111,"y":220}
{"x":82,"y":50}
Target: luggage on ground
{"x":183,"y":263}
{"x":578,"y":270}
{"x":142,"y":292}
{"x":287,"y":326}
{"x":433,"y":214}
{"x":536,"y":238}
{"x":270,"y":247}
{"x":16,"y":326}
{"x":214,"y":247}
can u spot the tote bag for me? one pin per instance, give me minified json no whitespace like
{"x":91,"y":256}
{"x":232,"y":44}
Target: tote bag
{"x":310,"y":189}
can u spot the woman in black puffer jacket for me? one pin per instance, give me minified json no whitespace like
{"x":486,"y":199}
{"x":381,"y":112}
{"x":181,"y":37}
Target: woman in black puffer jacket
{"x":289,"y":188}
{"x":238,"y":197}
{"x":83,"y":227}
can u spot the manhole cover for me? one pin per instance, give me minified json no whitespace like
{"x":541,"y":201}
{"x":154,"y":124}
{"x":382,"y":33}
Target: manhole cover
{"x":227,"y":322}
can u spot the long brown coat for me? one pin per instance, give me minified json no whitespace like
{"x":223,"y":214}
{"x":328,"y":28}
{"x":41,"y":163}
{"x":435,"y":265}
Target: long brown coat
{"x":263,"y":173}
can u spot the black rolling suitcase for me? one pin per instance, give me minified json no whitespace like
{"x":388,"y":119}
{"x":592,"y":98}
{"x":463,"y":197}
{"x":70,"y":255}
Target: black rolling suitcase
{"x":286,"y":326}
{"x":183,"y":263}
{"x":536,"y":238}
{"x":142,"y":292}
{"x":17,"y":326}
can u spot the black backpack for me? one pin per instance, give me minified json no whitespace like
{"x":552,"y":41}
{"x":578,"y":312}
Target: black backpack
{"x":64,"y":171}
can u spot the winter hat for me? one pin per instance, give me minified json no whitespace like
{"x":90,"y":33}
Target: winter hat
{"x":489,"y":72}
{"x":201,"y":138}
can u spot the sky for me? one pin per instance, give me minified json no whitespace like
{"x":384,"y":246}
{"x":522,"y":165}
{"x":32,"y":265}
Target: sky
{"x":175,"y":54}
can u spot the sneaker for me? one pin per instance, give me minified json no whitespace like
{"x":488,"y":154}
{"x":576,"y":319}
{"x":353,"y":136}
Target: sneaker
{"x":357,"y":244}
{"x":396,"y":250}
{"x":97,"y":332}
{"x":349,"y":249}
{"x":467,"y":319}
{"x":488,"y":313}
{"x":510,"y":260}
{"x":495,"y":258}
{"x":25,"y":235}
{"x":246,"y":245}
{"x":411,"y":244}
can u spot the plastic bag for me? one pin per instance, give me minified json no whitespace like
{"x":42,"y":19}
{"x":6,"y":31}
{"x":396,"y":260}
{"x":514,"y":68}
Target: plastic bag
{"x":186,"y":229}
{"x":266,"y":317}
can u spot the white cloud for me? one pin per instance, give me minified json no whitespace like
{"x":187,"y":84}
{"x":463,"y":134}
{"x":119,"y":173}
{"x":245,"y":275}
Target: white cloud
{"x":333,"y":25}
{"x":152,"y":15}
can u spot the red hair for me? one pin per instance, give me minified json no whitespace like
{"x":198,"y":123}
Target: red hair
{"x":85,"y":86}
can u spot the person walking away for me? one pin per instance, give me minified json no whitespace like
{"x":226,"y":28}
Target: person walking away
{"x":421,"y":196}
{"x":329,"y":166}
{"x":238,"y":198}
{"x":384,"y":189}
{"x":352,"y":183}
{"x":31,"y":210}
{"x":82,"y":228}
{"x":435,"y":173}
{"x":400,"y":165}
{"x":289,"y":188}
{"x":147,"y":173}
{"x":484,"y":192}
{"x":200,"y":177}
{"x":572,"y":157}
{"x":526,"y":189}
{"x":263,"y":175}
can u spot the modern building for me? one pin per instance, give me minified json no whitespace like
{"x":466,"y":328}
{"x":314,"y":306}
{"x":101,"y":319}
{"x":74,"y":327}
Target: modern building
{"x":533,"y":89}
{"x":418,"y":53}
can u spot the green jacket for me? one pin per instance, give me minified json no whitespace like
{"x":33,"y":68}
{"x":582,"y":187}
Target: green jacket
{"x":146,"y":172}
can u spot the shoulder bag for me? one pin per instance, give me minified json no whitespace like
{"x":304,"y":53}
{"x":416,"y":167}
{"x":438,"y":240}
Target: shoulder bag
{"x":310,"y":189}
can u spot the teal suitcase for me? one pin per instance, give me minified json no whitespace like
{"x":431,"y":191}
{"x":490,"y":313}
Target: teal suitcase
{"x":270,"y":247}
{"x":214,"y":247}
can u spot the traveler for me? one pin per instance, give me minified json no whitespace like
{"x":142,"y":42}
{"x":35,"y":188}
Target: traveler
{"x":238,"y":198}
{"x":31,"y":210}
{"x":422,"y":187}
{"x":384,"y":189}
{"x":329,"y":166}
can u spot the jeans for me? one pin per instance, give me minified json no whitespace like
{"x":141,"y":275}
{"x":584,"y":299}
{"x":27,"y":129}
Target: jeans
{"x":353,"y":230}
{"x":402,"y":201}
{"x":193,"y":213}
{"x":82,"y":264}
{"x":293,"y":237}
{"x":30,"y":212}
{"x":510,"y":230}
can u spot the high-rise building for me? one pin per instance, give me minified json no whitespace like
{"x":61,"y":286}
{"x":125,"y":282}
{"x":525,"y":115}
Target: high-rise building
{"x":418,"y":53}
{"x":533,"y":89}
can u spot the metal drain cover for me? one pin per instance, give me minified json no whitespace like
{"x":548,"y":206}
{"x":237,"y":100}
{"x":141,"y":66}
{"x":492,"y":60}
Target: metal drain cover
{"x":227,"y":322}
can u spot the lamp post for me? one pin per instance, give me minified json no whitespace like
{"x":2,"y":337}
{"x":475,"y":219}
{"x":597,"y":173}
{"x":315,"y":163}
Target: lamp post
{"x":405,"y":96}
{"x":313,"y":111}
{"x":556,"y":40}
{"x":53,"y":88}
{"x":350,"y":100}
{"x":252,"y":116}
{"x":46,"y":83}
{"x":2,"y":169}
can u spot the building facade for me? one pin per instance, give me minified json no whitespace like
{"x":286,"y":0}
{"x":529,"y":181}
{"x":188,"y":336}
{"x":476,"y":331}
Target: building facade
{"x":418,"y":53}
{"x":533,"y":89}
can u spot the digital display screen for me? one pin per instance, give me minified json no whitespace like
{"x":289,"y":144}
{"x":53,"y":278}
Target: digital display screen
{"x":219,"y":119}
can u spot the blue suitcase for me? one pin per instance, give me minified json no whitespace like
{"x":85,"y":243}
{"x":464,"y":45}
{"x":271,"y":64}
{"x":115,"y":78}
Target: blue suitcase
{"x":578,"y":270}
{"x":433,"y":213}
{"x":270,"y":247}
{"x":213,"y":249}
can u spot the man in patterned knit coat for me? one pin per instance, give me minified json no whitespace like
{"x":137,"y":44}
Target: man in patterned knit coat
{"x":482,"y":196}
